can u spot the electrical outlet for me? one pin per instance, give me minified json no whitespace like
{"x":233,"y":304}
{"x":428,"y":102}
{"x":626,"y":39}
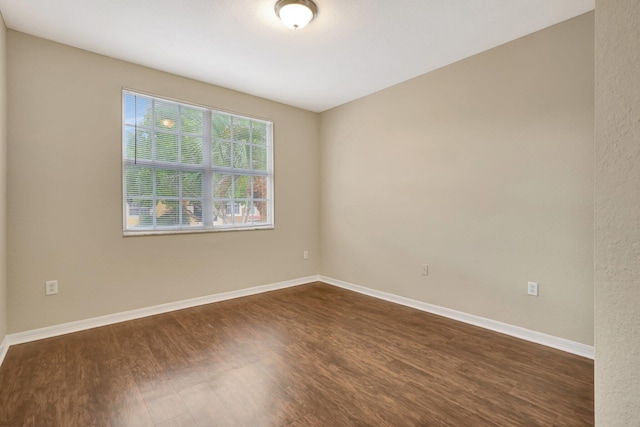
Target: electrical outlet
{"x":425,"y":270}
{"x":51,"y":287}
{"x":305,"y":255}
{"x":532,"y":289}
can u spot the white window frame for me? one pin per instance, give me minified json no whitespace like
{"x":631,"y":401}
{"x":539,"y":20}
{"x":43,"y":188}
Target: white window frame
{"x":206,"y":168}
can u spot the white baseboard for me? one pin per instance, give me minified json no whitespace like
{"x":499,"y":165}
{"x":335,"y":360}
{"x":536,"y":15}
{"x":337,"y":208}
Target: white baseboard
{"x":95,"y":322}
{"x":81,"y":325}
{"x":504,"y":328}
{"x":4,"y":347}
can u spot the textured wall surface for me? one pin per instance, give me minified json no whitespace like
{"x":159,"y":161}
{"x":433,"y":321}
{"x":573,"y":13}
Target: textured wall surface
{"x":617,"y":213}
{"x":64,"y":198}
{"x":3,"y":180}
{"x":484,"y":171}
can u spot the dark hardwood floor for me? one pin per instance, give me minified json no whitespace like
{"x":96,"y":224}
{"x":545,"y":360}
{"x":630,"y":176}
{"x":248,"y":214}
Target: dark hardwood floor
{"x":312,"y":355}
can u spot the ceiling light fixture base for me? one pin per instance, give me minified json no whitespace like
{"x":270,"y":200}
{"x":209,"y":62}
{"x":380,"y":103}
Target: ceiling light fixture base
{"x":296,"y":14}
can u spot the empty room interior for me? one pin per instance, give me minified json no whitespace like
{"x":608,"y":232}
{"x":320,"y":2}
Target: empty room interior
{"x":319,"y":213}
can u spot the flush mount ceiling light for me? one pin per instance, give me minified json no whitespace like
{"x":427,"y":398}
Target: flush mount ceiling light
{"x":296,"y":14}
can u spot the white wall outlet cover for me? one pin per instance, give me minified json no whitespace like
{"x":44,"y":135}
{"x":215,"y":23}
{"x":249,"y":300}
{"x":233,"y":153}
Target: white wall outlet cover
{"x":51,"y":287}
{"x":532,"y":288}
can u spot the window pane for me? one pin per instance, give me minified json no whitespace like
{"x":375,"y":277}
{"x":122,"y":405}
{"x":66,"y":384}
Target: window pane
{"x":167,"y":183}
{"x":260,"y":188}
{"x":192,"y":213}
{"x":241,"y":186}
{"x":166,"y":115}
{"x":259,"y":158}
{"x":191,"y":150}
{"x":259,"y":133}
{"x":242,"y":213}
{"x":191,"y":184}
{"x":221,"y":126}
{"x":261,"y":211}
{"x":136,"y":108}
{"x":132,"y":212}
{"x":221,"y":153}
{"x":253,"y":216}
{"x":129,"y":142}
{"x":223,"y":213}
{"x":167,"y":147}
{"x":241,"y":153}
{"x":261,"y":198}
{"x":137,"y":148}
{"x":191,"y":120}
{"x":138,"y":212}
{"x":241,"y":129}
{"x":222,"y":186}
{"x":138,"y":181}
{"x":167,"y":213}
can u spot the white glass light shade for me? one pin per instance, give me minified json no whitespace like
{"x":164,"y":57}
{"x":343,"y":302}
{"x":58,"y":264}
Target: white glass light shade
{"x":296,"y":14}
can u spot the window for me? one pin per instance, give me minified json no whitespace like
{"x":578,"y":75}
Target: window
{"x":189,"y":168}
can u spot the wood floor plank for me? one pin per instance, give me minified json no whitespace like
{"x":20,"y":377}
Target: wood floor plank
{"x":206,"y":407}
{"x":311,"y":355}
{"x":184,"y":420}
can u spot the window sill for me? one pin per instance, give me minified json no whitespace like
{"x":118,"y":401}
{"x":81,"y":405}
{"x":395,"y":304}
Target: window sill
{"x":130,"y":233}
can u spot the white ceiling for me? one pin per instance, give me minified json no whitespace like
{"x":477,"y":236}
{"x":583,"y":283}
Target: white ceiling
{"x":352,"y":48}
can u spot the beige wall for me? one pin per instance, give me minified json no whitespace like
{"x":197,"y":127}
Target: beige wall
{"x":489,"y":162}
{"x":3,"y":181}
{"x":64,"y":195}
{"x":617,"y":213}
